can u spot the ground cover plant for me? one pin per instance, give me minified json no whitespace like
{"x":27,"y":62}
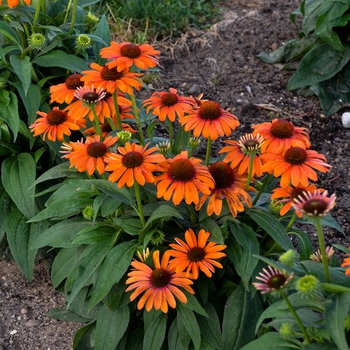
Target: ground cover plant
{"x":320,"y":54}
{"x":208,"y":222}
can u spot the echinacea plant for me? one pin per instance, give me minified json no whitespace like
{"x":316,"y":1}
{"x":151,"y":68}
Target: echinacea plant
{"x":157,"y":243}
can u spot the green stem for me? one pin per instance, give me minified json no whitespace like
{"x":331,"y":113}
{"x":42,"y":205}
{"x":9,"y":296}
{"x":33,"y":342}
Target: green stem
{"x":136,"y":115}
{"x":96,"y":122}
{"x":170,"y":125}
{"x":36,"y":15}
{"x":262,"y":188}
{"x":297,"y":318}
{"x":320,"y":235}
{"x":116,"y":107}
{"x":74,"y":15}
{"x":250,"y":171}
{"x":193,"y":215}
{"x":207,"y":156}
{"x":140,"y":210}
{"x":291,"y":222}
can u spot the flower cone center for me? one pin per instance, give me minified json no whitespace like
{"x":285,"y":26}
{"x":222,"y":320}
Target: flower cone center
{"x":251,"y":144}
{"x":209,"y":110}
{"x":282,"y":129}
{"x":160,"y":278}
{"x":182,"y":170}
{"x":277,"y":281}
{"x":56,"y":117}
{"x":96,"y":149}
{"x":169,"y":99}
{"x":90,"y":97}
{"x":296,"y":192}
{"x":130,"y":50}
{"x":222,"y":174}
{"x":315,"y":206}
{"x":106,"y":128}
{"x":295,"y":155}
{"x":132,"y":159}
{"x":73,"y":81}
{"x":196,"y":254}
{"x":110,"y":74}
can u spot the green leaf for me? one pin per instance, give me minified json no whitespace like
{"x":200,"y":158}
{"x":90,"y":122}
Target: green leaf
{"x":110,"y":327}
{"x":112,"y":270}
{"x":17,"y":175}
{"x":8,"y":32}
{"x":272,"y":227}
{"x":175,"y":342}
{"x":319,"y":64}
{"x":337,"y":307}
{"x":61,"y":235}
{"x":273,"y":341}
{"x":66,"y":315}
{"x":305,"y":247}
{"x":181,"y":141}
{"x":240,"y":315}
{"x":94,"y":234}
{"x":6,"y":204}
{"x":215,"y":232}
{"x":193,"y":304}
{"x":58,"y":58}
{"x":210,"y":327}
{"x":83,"y":336}
{"x":19,"y":236}
{"x":23,"y":69}
{"x":9,"y":111}
{"x":132,"y":226}
{"x":155,"y":334}
{"x":89,"y":265}
{"x":187,"y":317}
{"x":102,"y":31}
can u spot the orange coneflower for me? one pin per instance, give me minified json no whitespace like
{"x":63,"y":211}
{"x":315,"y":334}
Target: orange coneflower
{"x":64,"y":93}
{"x":134,"y":163}
{"x":183,"y":178}
{"x":56,"y":124}
{"x":295,"y":166}
{"x":126,"y":54}
{"x":229,"y":186}
{"x":239,"y":154}
{"x":314,"y":204}
{"x":210,"y":121}
{"x":169,"y":104}
{"x":89,"y":98}
{"x":159,"y":285}
{"x":89,"y":156}
{"x":346,"y":263}
{"x":281,"y":134}
{"x":110,"y":79}
{"x":14,"y":3}
{"x":196,"y":254}
{"x":290,"y":193}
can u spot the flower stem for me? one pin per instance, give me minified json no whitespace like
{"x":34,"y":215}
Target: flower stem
{"x":262,"y":188}
{"x":170,"y":125}
{"x":136,"y":115}
{"x":96,"y":122}
{"x":74,"y":15}
{"x":139,"y":203}
{"x":207,"y":156}
{"x":297,"y":318}
{"x":291,"y":222}
{"x":116,"y":107}
{"x":320,"y":235}
{"x":250,"y":171}
{"x":36,"y":16}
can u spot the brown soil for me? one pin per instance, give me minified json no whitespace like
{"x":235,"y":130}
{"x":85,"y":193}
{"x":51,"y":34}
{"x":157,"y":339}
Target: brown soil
{"x":220,"y":63}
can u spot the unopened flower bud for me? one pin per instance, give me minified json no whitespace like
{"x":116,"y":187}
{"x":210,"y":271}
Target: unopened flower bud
{"x":289,"y":258}
{"x":83,"y":42}
{"x":157,"y":237}
{"x":124,"y":136}
{"x":286,"y":330}
{"x":37,"y":41}
{"x":88,"y":212}
{"x":307,"y":285}
{"x":163,"y":147}
{"x":142,"y":253}
{"x":91,"y":20}
{"x":2,"y":83}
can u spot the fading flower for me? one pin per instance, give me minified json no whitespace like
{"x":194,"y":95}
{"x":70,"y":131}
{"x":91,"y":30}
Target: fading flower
{"x":168,"y":105}
{"x":229,"y":187}
{"x":142,"y":253}
{"x":317,"y":257}
{"x":196,"y":254}
{"x":91,"y":155}
{"x":133,"y":163}
{"x":280,"y":135}
{"x":183,"y":178}
{"x":158,"y":285}
{"x":56,"y":124}
{"x":295,"y":166}
{"x":210,"y":121}
{"x":272,"y":280}
{"x":125,"y":55}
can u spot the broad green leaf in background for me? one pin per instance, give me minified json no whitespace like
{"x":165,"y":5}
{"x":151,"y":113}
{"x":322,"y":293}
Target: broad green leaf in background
{"x":102,"y":31}
{"x":319,"y":64}
{"x":187,"y":317}
{"x":9,"y":111}
{"x":110,"y":327}
{"x":337,"y":309}
{"x":8,"y":32}
{"x":181,"y":141}
{"x":240,"y":316}
{"x":272,"y":227}
{"x":175,"y":341}
{"x":273,"y":340}
{"x":155,"y":334}
{"x":305,"y":248}
{"x":6,"y":207}
{"x":23,"y":69}
{"x":215,"y":232}
{"x":17,"y":176}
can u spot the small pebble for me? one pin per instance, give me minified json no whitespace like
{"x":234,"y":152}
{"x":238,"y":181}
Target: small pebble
{"x":13,"y":332}
{"x":32,"y":323}
{"x":345,"y":119}
{"x":194,"y":90}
